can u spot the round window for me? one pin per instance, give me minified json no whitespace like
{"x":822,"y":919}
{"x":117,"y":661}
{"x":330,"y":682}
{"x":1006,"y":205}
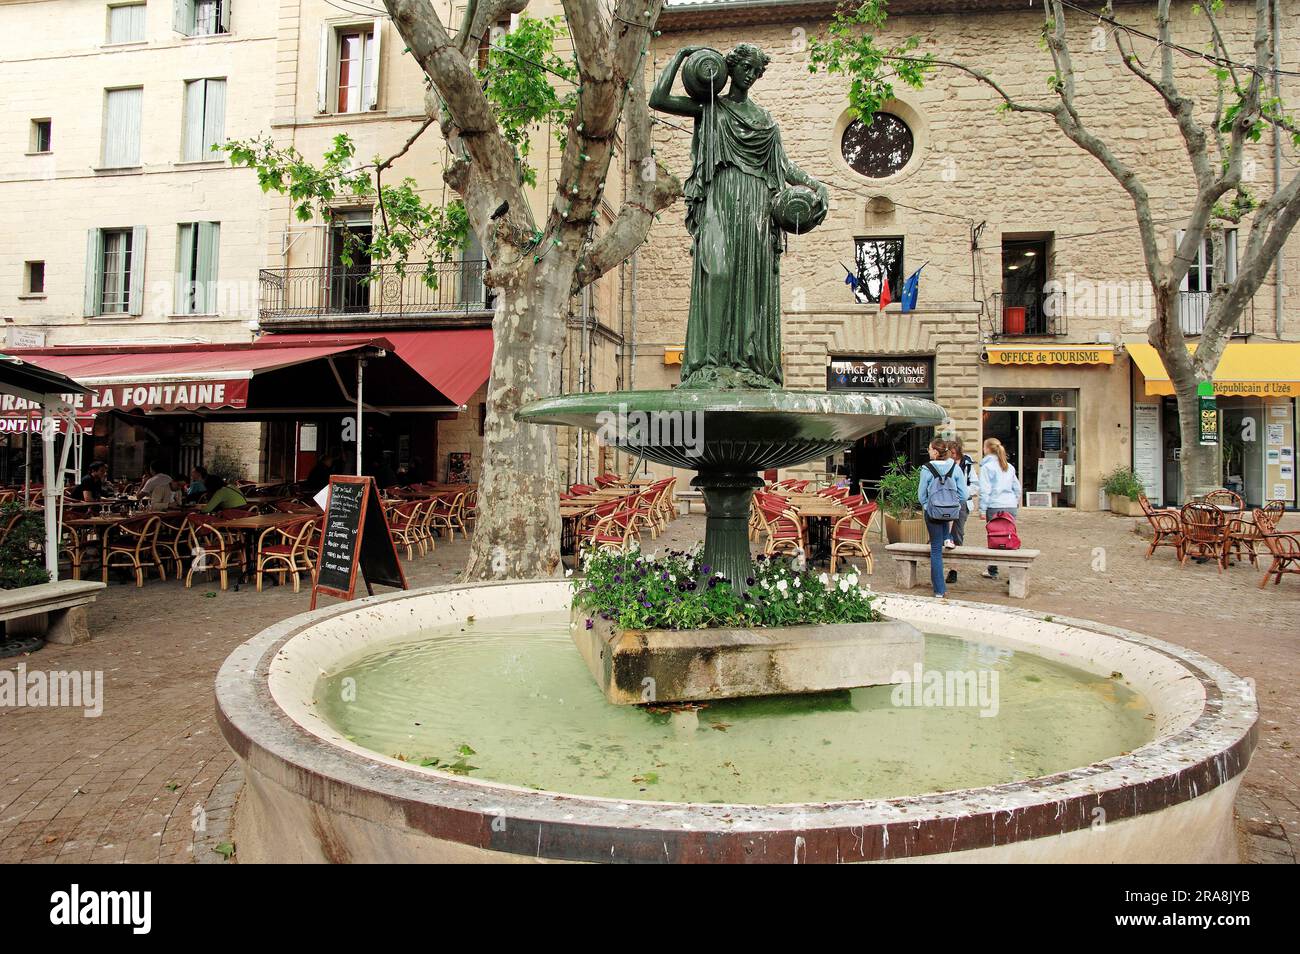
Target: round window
{"x":879,"y":150}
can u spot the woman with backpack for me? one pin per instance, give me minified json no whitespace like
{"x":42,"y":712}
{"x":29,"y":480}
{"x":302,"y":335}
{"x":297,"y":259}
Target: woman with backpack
{"x":941,"y":493}
{"x":999,"y":488}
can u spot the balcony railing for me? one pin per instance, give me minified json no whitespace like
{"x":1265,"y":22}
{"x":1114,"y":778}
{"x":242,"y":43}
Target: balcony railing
{"x":377,"y":291}
{"x":1022,"y":314}
{"x":1194,"y":308}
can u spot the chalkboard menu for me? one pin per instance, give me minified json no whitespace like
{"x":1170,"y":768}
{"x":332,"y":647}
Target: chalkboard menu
{"x":355,"y":539}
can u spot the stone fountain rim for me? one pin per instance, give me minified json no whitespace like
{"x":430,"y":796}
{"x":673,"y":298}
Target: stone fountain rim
{"x":739,"y":400}
{"x":1208,"y":752}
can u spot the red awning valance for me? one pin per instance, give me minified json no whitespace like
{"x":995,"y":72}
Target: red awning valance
{"x":456,"y":361}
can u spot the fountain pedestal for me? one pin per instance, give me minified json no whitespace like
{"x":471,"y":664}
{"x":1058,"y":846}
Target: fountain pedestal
{"x":726,"y":525}
{"x":636,"y":667}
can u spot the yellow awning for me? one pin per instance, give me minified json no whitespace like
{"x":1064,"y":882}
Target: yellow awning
{"x":1262,"y":369}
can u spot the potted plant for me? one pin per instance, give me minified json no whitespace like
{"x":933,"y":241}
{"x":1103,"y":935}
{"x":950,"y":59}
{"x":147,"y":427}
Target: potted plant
{"x":1122,"y":487}
{"x":899,"y":489}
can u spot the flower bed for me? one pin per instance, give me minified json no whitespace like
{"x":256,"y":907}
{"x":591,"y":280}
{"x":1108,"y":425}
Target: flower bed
{"x":677,"y":592}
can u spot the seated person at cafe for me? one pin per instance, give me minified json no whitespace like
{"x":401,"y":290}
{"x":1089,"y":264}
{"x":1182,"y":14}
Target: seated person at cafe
{"x":225,"y":497}
{"x":157,"y":488}
{"x":92,"y":488}
{"x":201,"y":484}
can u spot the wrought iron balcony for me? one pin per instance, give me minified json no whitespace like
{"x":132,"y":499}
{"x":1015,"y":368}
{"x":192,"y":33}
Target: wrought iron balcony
{"x":1194,"y":308}
{"x":1025,"y":314}
{"x":377,"y":291}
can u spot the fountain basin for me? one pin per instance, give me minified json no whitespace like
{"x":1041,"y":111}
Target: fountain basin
{"x":659,"y":665}
{"x":311,"y":794}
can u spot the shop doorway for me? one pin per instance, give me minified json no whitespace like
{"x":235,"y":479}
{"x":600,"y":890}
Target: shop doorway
{"x":866,"y":461}
{"x":1038,"y":428}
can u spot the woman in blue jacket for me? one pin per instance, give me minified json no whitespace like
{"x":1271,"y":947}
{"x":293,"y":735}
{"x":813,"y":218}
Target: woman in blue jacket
{"x":999,"y":487}
{"x":946,"y":468}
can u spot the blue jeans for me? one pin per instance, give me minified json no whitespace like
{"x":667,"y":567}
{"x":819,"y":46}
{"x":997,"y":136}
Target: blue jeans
{"x":938,"y":530}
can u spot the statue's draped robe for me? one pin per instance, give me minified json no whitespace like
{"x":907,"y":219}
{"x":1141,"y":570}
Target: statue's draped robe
{"x":733,"y":335}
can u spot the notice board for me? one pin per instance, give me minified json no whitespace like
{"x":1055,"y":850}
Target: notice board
{"x":355,"y":540}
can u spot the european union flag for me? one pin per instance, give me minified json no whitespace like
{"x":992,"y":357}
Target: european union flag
{"x":849,"y":278}
{"x":910,"y":289}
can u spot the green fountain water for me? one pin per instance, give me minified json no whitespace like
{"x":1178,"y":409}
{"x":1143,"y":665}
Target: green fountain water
{"x":514,"y":691}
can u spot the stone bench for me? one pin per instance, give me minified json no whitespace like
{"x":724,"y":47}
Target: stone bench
{"x":909,"y":559}
{"x":63,"y":604}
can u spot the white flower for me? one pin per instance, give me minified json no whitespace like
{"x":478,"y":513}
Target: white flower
{"x":844,"y":586}
{"x":824,"y":579}
{"x":797,"y":583}
{"x":853,"y":579}
{"x":799,"y":598}
{"x":568,"y":573}
{"x":782,"y":585}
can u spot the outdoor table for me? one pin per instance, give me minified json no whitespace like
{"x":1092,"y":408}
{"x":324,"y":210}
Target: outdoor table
{"x":250,"y":527}
{"x":817,"y":535}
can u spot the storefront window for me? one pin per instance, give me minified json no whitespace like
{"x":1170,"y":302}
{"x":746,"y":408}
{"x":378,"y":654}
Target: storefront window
{"x":1038,"y":428}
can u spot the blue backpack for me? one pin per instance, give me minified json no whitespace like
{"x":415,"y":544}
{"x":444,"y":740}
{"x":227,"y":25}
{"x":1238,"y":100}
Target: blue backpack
{"x":945,"y":500}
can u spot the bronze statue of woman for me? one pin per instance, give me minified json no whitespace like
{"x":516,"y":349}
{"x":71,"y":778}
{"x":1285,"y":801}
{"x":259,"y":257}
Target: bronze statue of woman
{"x":738,"y":166}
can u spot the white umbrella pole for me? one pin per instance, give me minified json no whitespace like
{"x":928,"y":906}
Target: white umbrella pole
{"x":49,"y":435}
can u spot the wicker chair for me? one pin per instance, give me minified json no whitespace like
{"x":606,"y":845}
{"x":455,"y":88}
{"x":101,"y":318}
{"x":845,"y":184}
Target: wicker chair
{"x":1266,"y":519}
{"x":1241,"y":536}
{"x":783,"y":528}
{"x":1166,"y":528}
{"x":469,"y":509}
{"x":134,"y":543}
{"x":406,"y":523}
{"x":589,"y":521}
{"x":291,"y":555}
{"x":445,"y":514}
{"x":608,"y":480}
{"x":172,"y":539}
{"x":1285,"y":550}
{"x":1203,"y":529}
{"x":211,"y":550}
{"x":1274,"y":510}
{"x":849,"y":535}
{"x":1223,"y":498}
{"x":618,"y":530}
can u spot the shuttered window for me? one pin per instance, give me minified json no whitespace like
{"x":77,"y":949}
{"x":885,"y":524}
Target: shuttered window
{"x":197,"y":249}
{"x":126,"y":23}
{"x":122,"y":127}
{"x":115,"y":271}
{"x":205,"y":118}
{"x":347,"y":79}
{"x":201,"y":17}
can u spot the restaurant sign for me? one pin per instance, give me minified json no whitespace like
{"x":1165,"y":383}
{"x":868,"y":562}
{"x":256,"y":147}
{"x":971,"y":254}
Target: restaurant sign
{"x":172,"y":396}
{"x":1209,"y":414}
{"x":912,"y":374}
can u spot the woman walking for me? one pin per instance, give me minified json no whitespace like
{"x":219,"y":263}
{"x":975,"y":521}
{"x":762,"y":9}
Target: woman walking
{"x":999,"y":487}
{"x":941,"y":492}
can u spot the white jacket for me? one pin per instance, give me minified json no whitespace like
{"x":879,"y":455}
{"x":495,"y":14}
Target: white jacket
{"x":999,"y":489}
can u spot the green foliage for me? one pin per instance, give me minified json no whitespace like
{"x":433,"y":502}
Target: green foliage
{"x":519,"y":82}
{"x":223,"y":464}
{"x":677,"y":591}
{"x":22,"y":554}
{"x":522,"y":93}
{"x":1123,"y":482}
{"x":851,"y":48}
{"x":900,"y":488}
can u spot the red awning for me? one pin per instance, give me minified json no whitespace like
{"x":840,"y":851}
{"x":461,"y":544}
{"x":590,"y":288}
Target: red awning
{"x":456,"y":361}
{"x":172,"y":377}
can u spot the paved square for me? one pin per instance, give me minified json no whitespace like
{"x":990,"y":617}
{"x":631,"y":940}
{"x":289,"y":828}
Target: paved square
{"x":135,"y":783}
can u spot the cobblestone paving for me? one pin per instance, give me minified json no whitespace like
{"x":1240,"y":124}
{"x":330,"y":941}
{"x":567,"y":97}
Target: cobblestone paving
{"x":135,"y":783}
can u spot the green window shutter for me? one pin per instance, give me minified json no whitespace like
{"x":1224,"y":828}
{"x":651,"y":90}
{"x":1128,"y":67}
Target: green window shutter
{"x":136,"y":304}
{"x":225,"y":15}
{"x":94,"y":272}
{"x":206,"y":273}
{"x":214,"y":116}
{"x":183,"y":16}
{"x":192,"y":147}
{"x":184,"y":262}
{"x":323,"y":69}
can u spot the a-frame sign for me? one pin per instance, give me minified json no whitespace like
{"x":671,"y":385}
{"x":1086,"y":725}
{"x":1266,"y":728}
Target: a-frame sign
{"x":355,"y":539}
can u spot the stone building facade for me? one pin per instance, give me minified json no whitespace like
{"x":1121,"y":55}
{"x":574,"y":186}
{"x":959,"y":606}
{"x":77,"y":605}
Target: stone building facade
{"x":980,"y":194}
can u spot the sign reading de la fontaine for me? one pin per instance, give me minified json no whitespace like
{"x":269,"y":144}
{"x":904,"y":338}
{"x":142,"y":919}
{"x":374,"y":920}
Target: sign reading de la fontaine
{"x":880,"y":374}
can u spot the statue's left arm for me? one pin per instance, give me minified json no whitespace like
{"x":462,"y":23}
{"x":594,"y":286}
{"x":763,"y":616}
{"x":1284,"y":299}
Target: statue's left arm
{"x":796,"y":176}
